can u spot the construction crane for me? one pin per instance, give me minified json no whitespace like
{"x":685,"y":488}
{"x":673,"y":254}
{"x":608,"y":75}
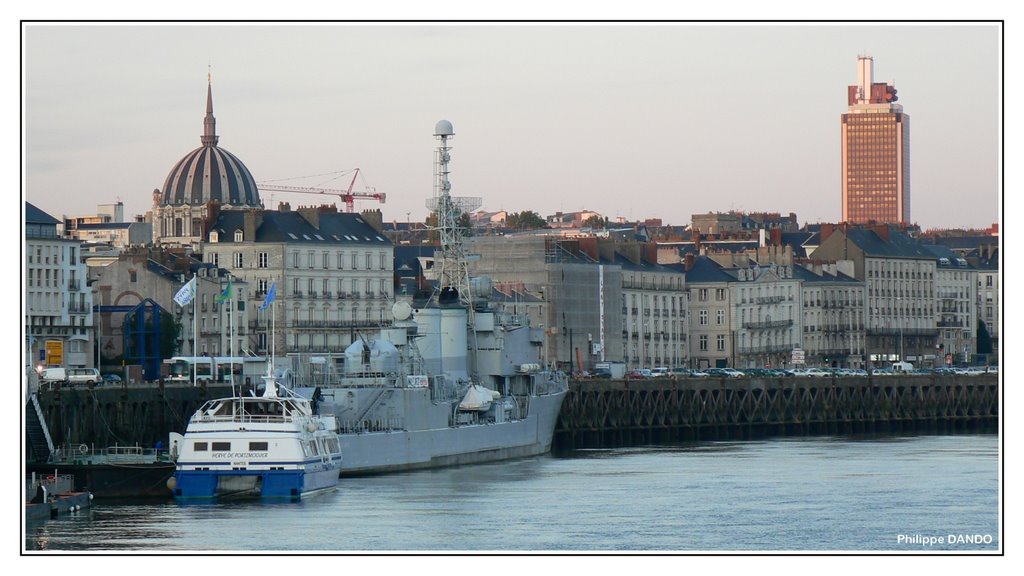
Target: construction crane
{"x":347,"y":196}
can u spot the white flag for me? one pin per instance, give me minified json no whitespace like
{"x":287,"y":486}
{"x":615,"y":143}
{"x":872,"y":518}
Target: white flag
{"x":186,"y":293}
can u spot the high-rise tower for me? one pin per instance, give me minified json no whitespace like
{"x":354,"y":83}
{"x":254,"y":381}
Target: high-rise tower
{"x":876,"y":152}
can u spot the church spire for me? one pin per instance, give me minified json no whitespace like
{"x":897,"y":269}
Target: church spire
{"x":209,"y":137}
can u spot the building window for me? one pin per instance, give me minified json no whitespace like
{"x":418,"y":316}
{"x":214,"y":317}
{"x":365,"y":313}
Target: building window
{"x":238,"y":259}
{"x":703,"y":342}
{"x":702,"y":295}
{"x":369,"y":260}
{"x":720,"y":342}
{"x":262,"y":260}
{"x":703,"y":317}
{"x":215,"y":259}
{"x":310,"y":259}
{"x":261,"y":285}
{"x":383,"y":261}
{"x":720,"y":294}
{"x":325,"y":258}
{"x":720,"y":317}
{"x":295,"y":259}
{"x":238,"y":235}
{"x":341,"y":260}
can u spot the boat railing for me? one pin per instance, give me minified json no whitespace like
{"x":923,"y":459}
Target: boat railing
{"x":84,"y":453}
{"x":261,"y":418}
{"x":53,"y":483}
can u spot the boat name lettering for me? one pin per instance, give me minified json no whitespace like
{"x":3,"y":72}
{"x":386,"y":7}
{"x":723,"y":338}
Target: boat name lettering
{"x":239,"y":455}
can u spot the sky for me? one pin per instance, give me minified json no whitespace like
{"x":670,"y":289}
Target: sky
{"x":630,"y":120}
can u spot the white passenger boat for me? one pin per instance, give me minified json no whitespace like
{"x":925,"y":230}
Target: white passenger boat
{"x":268,"y":446}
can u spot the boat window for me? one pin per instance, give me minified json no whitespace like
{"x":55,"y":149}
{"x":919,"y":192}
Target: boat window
{"x":312,"y":449}
{"x":258,"y":446}
{"x":200,"y":446}
{"x":221,"y":446}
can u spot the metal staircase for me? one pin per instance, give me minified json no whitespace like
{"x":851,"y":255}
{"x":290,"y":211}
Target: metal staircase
{"x":39,"y":445}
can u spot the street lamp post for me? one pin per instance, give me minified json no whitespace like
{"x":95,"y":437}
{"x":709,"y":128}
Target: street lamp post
{"x":899,"y":320}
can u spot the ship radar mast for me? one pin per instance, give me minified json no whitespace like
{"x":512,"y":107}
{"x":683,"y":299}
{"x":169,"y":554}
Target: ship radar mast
{"x":450,"y":259}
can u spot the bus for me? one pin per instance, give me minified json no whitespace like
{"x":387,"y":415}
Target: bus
{"x":215,"y":368}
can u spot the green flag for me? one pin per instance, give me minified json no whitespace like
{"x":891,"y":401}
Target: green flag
{"x":226,"y":294}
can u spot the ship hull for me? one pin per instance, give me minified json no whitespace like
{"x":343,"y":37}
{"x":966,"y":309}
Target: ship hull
{"x":267,"y":484}
{"x":403,"y":450}
{"x":137,"y":480}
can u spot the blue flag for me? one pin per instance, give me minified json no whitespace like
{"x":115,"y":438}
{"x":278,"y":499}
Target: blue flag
{"x":271,"y":294}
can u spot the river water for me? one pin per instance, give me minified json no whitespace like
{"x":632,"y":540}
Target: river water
{"x":900,"y":494}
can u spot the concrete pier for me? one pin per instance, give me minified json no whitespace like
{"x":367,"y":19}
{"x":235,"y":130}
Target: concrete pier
{"x":613,"y":413}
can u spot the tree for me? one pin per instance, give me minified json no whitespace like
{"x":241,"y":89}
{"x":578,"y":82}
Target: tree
{"x":525,"y":220}
{"x":984,"y":339}
{"x":596,"y":221}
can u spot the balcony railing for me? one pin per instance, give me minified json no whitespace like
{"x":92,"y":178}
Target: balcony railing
{"x":78,"y":309}
{"x":336,"y":324}
{"x":74,"y":285}
{"x":767,"y":349}
{"x":770,"y":299}
{"x":767,"y":324}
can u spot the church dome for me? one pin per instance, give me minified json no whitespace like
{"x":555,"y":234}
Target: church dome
{"x":210,"y":173}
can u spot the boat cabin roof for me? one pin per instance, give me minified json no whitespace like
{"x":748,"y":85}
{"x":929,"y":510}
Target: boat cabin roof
{"x":241,"y":406}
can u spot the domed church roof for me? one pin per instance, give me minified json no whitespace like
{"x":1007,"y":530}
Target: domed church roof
{"x":210,"y":172}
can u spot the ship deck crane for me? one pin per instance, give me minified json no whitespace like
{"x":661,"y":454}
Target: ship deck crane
{"x":347,"y":196}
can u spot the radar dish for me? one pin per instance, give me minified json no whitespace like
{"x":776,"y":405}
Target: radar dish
{"x":401,"y":311}
{"x":444,"y":128}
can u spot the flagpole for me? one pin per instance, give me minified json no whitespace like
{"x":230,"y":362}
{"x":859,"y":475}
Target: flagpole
{"x":231,"y":331}
{"x":273,"y":325}
{"x":195,"y":330}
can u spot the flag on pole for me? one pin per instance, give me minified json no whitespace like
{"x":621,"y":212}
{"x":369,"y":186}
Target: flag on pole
{"x":186,"y":293}
{"x":271,"y":294}
{"x":226,"y":294}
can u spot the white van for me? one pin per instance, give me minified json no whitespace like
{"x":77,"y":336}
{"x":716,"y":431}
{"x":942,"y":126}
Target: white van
{"x":53,"y":375}
{"x":90,"y":376}
{"x":902,"y":367}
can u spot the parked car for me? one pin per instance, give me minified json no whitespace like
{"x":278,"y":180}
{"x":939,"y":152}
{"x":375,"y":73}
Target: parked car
{"x":725,"y":372}
{"x":111,"y":379}
{"x":638,"y":374}
{"x":659,"y":372}
{"x":817,"y":373}
{"x":90,"y":376}
{"x":698,"y":374}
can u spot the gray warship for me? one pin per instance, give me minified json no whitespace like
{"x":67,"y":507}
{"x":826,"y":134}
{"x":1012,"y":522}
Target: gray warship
{"x":451,"y":381}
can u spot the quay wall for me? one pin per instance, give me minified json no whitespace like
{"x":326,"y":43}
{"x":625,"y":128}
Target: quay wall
{"x":122,"y":415}
{"x":608,"y":413}
{"x":614,"y":413}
